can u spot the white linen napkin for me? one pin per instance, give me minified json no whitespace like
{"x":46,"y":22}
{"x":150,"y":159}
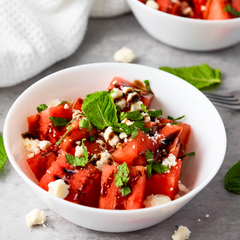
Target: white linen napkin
{"x":36,"y":34}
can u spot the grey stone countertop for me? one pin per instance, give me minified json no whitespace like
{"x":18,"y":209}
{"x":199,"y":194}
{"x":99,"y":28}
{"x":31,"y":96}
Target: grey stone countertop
{"x":103,"y":38}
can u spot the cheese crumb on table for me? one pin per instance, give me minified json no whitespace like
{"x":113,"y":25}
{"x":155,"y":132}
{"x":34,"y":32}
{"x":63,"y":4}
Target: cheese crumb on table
{"x":35,"y":217}
{"x":181,"y":234}
{"x":58,"y":188}
{"x":124,"y":55}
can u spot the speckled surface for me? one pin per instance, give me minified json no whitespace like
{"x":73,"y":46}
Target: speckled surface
{"x":102,"y":39}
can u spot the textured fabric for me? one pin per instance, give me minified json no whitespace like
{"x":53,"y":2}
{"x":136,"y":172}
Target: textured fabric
{"x":37,"y":33}
{"x":109,"y":8}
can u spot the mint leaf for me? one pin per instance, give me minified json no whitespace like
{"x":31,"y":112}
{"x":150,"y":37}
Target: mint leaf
{"x":91,"y":138}
{"x":155,"y":114}
{"x":134,"y":116}
{"x":59,"y":122}
{"x":149,"y":155}
{"x":84,"y":123}
{"x":118,"y":181}
{"x":199,"y":76}
{"x":159,"y":168}
{"x":125,"y":191}
{"x":3,"y":155}
{"x":62,"y":102}
{"x":175,"y":119}
{"x":58,"y":142}
{"x":78,"y":161}
{"x":230,"y":9}
{"x":121,"y":179}
{"x":100,"y":109}
{"x":232,"y":179}
{"x":147,"y":85}
{"x":149,"y":169}
{"x":41,"y":107}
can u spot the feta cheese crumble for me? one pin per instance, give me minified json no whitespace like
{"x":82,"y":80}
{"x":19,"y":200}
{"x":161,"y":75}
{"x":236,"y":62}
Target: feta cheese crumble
{"x":79,"y":151}
{"x":105,"y":156}
{"x":182,"y":233}
{"x":155,"y":200}
{"x":125,"y":55}
{"x":35,"y":217}
{"x":116,"y":93}
{"x":58,"y":188}
{"x":152,"y":4}
{"x":169,"y":161}
{"x":111,"y":137}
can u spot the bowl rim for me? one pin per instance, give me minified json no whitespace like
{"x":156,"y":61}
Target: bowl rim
{"x":187,"y":197}
{"x":190,"y":20}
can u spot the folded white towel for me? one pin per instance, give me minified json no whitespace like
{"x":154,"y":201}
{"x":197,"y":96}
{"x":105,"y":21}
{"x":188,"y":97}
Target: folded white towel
{"x":36,"y":34}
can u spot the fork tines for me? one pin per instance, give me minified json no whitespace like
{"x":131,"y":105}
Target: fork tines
{"x":227,"y":100}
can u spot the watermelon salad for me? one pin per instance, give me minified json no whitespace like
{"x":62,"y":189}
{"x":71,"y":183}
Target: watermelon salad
{"x":109,"y":150}
{"x":198,"y":9}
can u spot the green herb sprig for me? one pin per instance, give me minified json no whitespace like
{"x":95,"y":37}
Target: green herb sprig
{"x":3,"y":154}
{"x":232,"y":179}
{"x":78,"y":161}
{"x":199,"y":76}
{"x":121,"y":179}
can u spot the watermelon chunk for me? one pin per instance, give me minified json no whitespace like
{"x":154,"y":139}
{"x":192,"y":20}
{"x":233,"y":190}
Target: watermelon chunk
{"x":145,"y":96}
{"x":84,"y":182}
{"x":165,"y":183}
{"x":33,"y":124}
{"x":134,"y":148}
{"x":47,"y":130}
{"x":41,"y":162}
{"x":111,"y":197}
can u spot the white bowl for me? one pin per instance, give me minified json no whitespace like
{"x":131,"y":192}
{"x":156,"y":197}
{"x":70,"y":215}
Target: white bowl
{"x":173,"y":95}
{"x":185,"y":33}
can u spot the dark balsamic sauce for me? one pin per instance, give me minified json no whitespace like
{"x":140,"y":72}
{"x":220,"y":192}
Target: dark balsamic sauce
{"x":107,"y":185}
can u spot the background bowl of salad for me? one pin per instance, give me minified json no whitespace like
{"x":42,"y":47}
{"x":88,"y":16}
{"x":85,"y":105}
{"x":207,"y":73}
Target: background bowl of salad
{"x":173,"y":95}
{"x":197,"y":25}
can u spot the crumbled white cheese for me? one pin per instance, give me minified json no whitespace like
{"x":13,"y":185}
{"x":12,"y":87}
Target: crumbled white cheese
{"x":54,"y":103}
{"x":131,"y":96}
{"x":32,"y":145}
{"x":44,"y":145}
{"x":115,"y":83}
{"x":125,"y":55}
{"x":105,"y":156}
{"x":66,"y":106}
{"x":75,"y":113}
{"x":146,"y":118}
{"x":187,"y":11}
{"x":121,"y":103}
{"x":116,"y":94}
{"x":182,"y":233}
{"x":183,"y":188}
{"x":122,"y":135}
{"x":152,"y":4}
{"x":136,"y":106}
{"x":114,"y":140}
{"x":79,"y":151}
{"x":155,"y":200}
{"x":127,"y":90}
{"x":35,"y":217}
{"x":203,"y":8}
{"x":207,"y":216}
{"x":58,"y":188}
{"x":169,"y":161}
{"x":127,"y":122}
{"x":102,"y":145}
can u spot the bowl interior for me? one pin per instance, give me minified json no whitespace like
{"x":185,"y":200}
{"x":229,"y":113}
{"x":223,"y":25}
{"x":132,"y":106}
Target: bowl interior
{"x":173,"y":95}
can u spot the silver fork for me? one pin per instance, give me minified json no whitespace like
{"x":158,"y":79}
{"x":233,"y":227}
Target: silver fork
{"x":227,"y":100}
